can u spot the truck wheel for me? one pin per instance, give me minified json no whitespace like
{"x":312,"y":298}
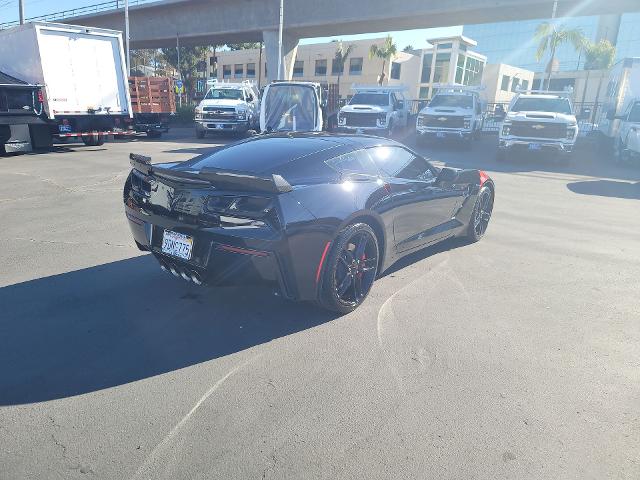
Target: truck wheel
{"x":100,"y":139}
{"x":200,"y":134}
{"x":618,"y":148}
{"x":389,"y":132}
{"x":501,"y":155}
{"x":89,"y":140}
{"x":153,"y":134}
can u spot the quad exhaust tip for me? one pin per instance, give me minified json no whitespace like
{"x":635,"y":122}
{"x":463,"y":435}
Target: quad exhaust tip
{"x":189,"y":276}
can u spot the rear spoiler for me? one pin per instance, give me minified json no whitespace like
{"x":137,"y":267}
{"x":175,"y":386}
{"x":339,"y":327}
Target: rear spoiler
{"x":224,"y":179}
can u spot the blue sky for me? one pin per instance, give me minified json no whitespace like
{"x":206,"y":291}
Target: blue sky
{"x":416,"y":38}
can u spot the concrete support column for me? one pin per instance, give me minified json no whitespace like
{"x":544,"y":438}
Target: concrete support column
{"x":289,"y":50}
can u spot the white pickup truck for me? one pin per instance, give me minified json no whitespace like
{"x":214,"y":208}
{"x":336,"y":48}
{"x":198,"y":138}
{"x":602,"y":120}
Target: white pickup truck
{"x":454,"y":112}
{"x":539,"y":121}
{"x":228,"y":107}
{"x":374,"y":109}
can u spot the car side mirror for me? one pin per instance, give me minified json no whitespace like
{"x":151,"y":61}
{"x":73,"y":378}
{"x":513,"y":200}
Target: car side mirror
{"x":447,"y":175}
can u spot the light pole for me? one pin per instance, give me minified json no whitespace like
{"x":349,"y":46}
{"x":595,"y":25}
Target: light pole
{"x":280,"y":28}
{"x":126,"y":33}
{"x":21,"y":11}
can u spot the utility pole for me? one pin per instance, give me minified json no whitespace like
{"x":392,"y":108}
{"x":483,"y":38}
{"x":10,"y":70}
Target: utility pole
{"x":280,"y":28}
{"x":179,"y":70}
{"x":126,"y":33}
{"x":21,"y":10}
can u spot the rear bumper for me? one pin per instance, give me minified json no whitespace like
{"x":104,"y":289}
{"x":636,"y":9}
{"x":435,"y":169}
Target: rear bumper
{"x":353,"y":129}
{"x":222,"y":126}
{"x":220,"y":256}
{"x":538,"y":145}
{"x":151,"y":127}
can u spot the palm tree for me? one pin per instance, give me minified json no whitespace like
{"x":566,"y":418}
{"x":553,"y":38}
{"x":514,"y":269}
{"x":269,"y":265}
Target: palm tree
{"x":385,"y":52}
{"x":598,"y":56}
{"x":552,"y":36}
{"x":340,"y":58}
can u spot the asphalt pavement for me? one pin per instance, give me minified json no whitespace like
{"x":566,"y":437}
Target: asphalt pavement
{"x":514,"y":358}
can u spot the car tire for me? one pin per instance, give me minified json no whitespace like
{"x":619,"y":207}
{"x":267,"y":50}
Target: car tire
{"x":89,"y":140}
{"x":347,"y":279}
{"x":154,"y":134}
{"x":618,"y":149}
{"x":481,"y":215}
{"x":389,"y":132}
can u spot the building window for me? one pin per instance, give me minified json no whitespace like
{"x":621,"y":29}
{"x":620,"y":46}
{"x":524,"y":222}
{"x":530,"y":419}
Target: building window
{"x":321,"y":68}
{"x":525,"y":84}
{"x":355,"y":66}
{"x":238,"y":70}
{"x":514,"y":84}
{"x":212,"y":61}
{"x":395,"y":70}
{"x":505,"y":83}
{"x":298,"y":68}
{"x":336,"y":67}
{"x":473,"y":71}
{"x":441,"y":70}
{"x":251,"y":70}
{"x":424,"y":93}
{"x":226,"y":71}
{"x":462,"y":47}
{"x":460,"y":68}
{"x":426,"y":68}
{"x":444,"y":46}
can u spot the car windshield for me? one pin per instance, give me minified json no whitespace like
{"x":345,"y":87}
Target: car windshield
{"x":459,"y":101}
{"x":378,"y":99}
{"x":557,"y":105}
{"x":224,"y":94}
{"x":634,"y":114}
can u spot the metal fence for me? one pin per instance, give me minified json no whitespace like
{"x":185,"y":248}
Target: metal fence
{"x":76,"y":12}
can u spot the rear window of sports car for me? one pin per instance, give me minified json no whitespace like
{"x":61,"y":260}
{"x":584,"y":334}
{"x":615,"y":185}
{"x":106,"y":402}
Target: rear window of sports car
{"x":353,"y":162}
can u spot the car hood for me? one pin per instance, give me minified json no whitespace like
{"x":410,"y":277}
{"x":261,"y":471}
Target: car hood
{"x":447,"y":111}
{"x":365,"y":109}
{"x":221,"y":103}
{"x":540,"y":117}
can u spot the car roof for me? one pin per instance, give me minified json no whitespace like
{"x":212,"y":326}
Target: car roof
{"x":541,"y":95}
{"x":265,"y":153}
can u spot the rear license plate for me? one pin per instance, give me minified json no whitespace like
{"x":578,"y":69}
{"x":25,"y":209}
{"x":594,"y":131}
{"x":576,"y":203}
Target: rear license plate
{"x":64,"y":128}
{"x":177,"y":244}
{"x":440,"y":134}
{"x":535,"y":146}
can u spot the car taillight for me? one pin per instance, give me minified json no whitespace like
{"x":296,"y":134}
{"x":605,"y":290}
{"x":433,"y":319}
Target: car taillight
{"x":40,"y":96}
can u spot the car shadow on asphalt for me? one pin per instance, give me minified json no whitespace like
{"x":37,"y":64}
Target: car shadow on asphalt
{"x":105,"y":326}
{"x":426,"y":252}
{"x":607,"y":188}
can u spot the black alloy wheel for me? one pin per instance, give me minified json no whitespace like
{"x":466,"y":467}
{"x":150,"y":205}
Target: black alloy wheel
{"x":351,"y":269}
{"x":481,"y":214}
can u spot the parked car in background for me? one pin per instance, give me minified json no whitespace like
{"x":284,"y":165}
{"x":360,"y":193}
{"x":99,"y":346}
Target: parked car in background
{"x":82,"y":73}
{"x":375,"y":109}
{"x":540,"y":122}
{"x":228,"y":107}
{"x":626,"y":146}
{"x":455,"y":112}
{"x":257,"y":210}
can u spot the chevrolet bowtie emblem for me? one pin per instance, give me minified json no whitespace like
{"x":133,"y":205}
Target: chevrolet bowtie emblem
{"x":538,"y":127}
{"x":442,"y":119}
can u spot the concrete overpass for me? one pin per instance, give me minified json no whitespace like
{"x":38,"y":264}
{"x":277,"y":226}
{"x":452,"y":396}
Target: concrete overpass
{"x":202,"y":22}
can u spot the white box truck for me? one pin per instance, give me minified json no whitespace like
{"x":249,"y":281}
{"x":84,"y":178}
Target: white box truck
{"x":619,"y":119}
{"x":82,"y":73}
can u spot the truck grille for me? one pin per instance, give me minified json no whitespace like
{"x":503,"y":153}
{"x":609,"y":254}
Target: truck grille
{"x":539,"y":129}
{"x":219,"y":113}
{"x":443,"y":121}
{"x":360,"y":119}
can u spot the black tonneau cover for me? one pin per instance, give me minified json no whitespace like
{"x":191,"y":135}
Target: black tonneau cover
{"x":224,"y":179}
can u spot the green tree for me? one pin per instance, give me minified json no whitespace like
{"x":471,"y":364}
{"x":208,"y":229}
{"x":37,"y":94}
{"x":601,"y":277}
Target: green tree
{"x":385,"y":52}
{"x":551,"y":36}
{"x":340,"y":58}
{"x":189,"y":58}
{"x":243,"y":45}
{"x":408,"y":49}
{"x":598,"y":56}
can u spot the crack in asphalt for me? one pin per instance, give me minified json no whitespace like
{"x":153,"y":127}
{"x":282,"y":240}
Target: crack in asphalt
{"x":159,"y":449}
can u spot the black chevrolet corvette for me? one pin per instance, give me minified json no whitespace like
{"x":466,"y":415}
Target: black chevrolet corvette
{"x":318,"y":215}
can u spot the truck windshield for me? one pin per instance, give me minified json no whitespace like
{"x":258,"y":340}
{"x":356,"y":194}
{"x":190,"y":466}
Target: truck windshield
{"x":378,"y":99}
{"x":556,"y":105}
{"x":224,"y":94}
{"x":634,"y":114}
{"x":459,"y":101}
